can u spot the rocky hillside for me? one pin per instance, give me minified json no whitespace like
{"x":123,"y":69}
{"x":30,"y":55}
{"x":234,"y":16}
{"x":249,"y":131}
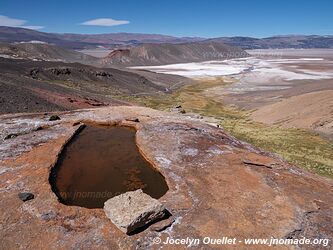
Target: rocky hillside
{"x":218,"y":186}
{"x":157,"y":54}
{"x":30,"y":86}
{"x":46,"y":52}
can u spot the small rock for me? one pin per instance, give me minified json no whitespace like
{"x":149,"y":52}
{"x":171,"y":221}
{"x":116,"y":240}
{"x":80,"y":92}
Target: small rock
{"x":34,"y":73}
{"x":133,"y":210}
{"x":178,"y":107}
{"x":182,"y":111}
{"x":26,"y":196}
{"x":10,"y":136}
{"x":49,"y":215}
{"x":54,"y":118}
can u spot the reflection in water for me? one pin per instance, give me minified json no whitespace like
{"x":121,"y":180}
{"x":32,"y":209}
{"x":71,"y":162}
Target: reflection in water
{"x":102,"y":162}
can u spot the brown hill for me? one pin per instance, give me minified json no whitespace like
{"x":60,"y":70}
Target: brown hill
{"x":30,"y":86}
{"x":46,"y":52}
{"x":157,"y":54}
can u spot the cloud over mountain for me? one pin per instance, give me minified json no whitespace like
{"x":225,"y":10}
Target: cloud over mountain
{"x":105,"y":22}
{"x":13,"y":22}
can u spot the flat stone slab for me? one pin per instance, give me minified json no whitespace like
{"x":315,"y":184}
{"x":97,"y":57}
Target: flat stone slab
{"x":133,"y":210}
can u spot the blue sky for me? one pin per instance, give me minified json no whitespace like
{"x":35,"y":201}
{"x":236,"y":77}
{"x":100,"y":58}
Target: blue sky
{"x":206,"y":18}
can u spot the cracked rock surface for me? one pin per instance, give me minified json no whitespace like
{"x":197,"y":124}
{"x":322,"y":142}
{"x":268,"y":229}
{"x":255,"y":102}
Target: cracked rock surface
{"x":218,"y":186}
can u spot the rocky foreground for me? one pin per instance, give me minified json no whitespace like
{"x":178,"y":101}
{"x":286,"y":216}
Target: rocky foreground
{"x":218,"y":186}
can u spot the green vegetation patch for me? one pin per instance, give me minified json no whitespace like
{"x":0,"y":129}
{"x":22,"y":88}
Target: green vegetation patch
{"x":300,"y":147}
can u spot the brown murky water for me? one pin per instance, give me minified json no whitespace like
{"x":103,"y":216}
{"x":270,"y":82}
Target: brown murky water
{"x":102,"y":162}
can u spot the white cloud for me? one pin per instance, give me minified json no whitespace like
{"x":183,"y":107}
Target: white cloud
{"x":7,"y":21}
{"x":32,"y":27}
{"x":13,"y":22}
{"x":105,"y":22}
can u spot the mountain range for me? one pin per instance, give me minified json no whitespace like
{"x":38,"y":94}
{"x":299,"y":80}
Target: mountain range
{"x":278,"y":42}
{"x":84,"y":41}
{"x":123,"y":40}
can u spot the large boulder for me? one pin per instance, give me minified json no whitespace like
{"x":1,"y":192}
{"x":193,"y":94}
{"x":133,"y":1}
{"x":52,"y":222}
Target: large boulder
{"x":133,"y":210}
